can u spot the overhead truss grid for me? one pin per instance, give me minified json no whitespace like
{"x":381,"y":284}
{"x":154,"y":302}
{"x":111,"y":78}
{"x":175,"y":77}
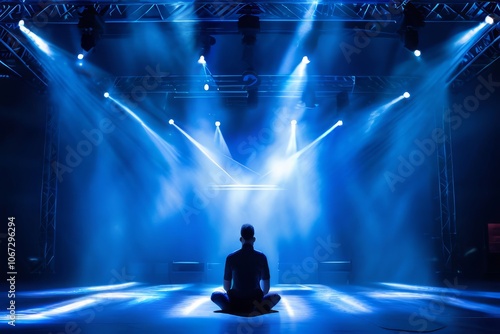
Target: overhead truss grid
{"x":57,"y":12}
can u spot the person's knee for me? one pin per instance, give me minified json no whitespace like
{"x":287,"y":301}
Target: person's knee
{"x":276,"y":298}
{"x":215,"y":296}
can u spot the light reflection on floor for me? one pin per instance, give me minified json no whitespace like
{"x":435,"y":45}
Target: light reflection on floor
{"x":300,"y":305}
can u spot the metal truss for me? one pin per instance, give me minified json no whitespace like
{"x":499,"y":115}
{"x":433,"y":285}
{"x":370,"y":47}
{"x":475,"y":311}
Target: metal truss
{"x":479,"y":57}
{"x":447,"y":211}
{"x":14,"y":52}
{"x":48,"y":204}
{"x":66,"y":11}
{"x":269,"y":85}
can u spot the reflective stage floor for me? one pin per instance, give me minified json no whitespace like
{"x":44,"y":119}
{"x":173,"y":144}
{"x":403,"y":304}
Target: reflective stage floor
{"x":315,"y":309}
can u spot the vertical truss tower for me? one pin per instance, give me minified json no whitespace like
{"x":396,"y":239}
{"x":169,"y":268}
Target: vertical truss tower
{"x":48,"y":203}
{"x":446,"y":188}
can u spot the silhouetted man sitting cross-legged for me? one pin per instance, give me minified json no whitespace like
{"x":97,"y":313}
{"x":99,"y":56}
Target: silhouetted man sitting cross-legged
{"x":247,"y":269}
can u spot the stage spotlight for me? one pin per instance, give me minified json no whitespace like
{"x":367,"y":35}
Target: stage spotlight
{"x":305,"y":60}
{"x":80,"y":56}
{"x":410,"y":39}
{"x":91,"y":25}
{"x":171,"y":121}
{"x":217,"y":123}
{"x":106,"y":94}
{"x":21,"y":23}
{"x":206,"y":87}
{"x":406,"y":95}
{"x":339,"y":123}
{"x":489,"y":19}
{"x":202,"y":60}
{"x":249,"y":24}
{"x":293,"y":122}
{"x":417,"y":53}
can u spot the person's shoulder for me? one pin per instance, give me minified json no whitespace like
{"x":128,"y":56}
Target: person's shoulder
{"x":259,"y":253}
{"x":232,"y":254}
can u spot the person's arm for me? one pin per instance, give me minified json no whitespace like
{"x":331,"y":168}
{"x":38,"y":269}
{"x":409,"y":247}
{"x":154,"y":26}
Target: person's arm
{"x":227,"y":285}
{"x":266,"y":277}
{"x":265,"y":285}
{"x":228,"y":275}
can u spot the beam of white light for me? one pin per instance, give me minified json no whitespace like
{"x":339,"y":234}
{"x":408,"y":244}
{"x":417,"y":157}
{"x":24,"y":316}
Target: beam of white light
{"x":449,"y":291}
{"x":81,"y":290}
{"x":131,"y":113}
{"x":288,"y":308}
{"x":40,"y":43}
{"x":287,"y":164}
{"x":204,"y":151}
{"x":341,"y":301}
{"x":356,"y":305}
{"x":292,"y":142}
{"x":489,"y":19}
{"x":380,"y":111}
{"x":315,"y":141}
{"x":71,"y":307}
{"x":202,"y":60}
{"x":469,"y":35}
{"x":241,"y":165}
{"x":165,"y":148}
{"x":400,"y":295}
{"x":255,"y":187}
{"x":197,"y":302}
{"x":303,"y":29}
{"x":221,"y":143}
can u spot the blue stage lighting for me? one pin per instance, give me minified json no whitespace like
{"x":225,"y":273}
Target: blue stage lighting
{"x":217,"y":123}
{"x":417,"y":53}
{"x":80,"y":56}
{"x":293,"y":122}
{"x":106,"y":94}
{"x":340,"y":123}
{"x":206,"y":87}
{"x":171,"y":121}
{"x":406,"y":95}
{"x":21,"y":23}
{"x":305,"y":60}
{"x":202,"y":60}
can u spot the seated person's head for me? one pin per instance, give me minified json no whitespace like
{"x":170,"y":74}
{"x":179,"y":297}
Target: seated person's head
{"x":247,"y":234}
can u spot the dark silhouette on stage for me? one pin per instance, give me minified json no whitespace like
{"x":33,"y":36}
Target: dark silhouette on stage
{"x":246,"y":269}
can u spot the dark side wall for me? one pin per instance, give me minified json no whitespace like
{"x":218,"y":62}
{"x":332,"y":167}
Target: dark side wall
{"x":476,"y":140}
{"x":22,"y":122}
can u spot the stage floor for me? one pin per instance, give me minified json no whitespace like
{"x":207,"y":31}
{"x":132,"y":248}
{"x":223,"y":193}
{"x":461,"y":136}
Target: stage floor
{"x":315,"y":309}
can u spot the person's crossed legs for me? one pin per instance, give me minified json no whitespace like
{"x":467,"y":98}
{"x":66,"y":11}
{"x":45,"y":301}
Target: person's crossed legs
{"x":233,"y":301}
